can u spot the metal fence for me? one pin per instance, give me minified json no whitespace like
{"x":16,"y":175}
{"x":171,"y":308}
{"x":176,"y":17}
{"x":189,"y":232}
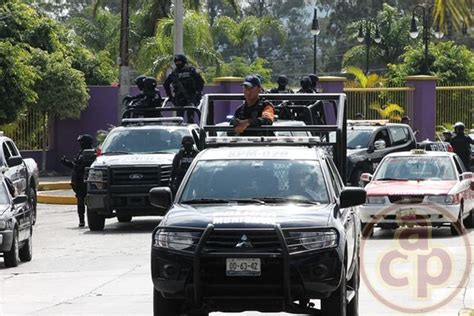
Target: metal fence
{"x":27,"y":131}
{"x":455,"y":103}
{"x":362,"y":100}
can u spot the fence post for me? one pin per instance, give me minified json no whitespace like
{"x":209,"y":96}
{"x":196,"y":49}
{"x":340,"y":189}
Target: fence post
{"x":424,"y":105}
{"x":331,"y":84}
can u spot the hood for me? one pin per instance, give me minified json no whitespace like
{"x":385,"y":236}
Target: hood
{"x":3,"y":208}
{"x":357,"y":151}
{"x":409,"y":187}
{"x":141,"y":159}
{"x":247,"y":216}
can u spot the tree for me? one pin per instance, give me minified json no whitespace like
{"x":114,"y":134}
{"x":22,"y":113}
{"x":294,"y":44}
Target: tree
{"x":458,"y":11}
{"x":451,"y":63}
{"x":62,"y":91}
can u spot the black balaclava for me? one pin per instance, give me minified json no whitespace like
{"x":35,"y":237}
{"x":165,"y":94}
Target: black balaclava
{"x":85,"y":141}
{"x":187,"y":143}
{"x":182,"y":59}
{"x":282,"y":82}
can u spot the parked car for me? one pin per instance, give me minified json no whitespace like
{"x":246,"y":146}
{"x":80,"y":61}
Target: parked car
{"x":16,"y":227}
{"x":23,"y":173}
{"x":257,"y":224}
{"x":133,"y":159}
{"x":406,"y":185}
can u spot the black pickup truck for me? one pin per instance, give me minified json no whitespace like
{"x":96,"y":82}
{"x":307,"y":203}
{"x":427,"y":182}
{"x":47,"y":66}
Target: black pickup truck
{"x":259,"y":223}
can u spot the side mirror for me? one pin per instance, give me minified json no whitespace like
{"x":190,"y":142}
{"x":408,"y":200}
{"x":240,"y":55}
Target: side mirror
{"x":472,"y":185}
{"x":466,"y":175}
{"x":161,"y":197}
{"x":380,"y":144}
{"x":366,"y":177}
{"x":20,"y":199}
{"x":352,"y":196}
{"x":14,"y":161}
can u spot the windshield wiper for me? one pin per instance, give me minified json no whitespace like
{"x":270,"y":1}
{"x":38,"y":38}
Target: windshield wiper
{"x":159,"y":152}
{"x":116,"y":153}
{"x":215,"y":200}
{"x":287,"y":199}
{"x":389,"y":179}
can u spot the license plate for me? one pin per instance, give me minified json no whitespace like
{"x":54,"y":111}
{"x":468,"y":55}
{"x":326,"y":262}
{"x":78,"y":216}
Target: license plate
{"x":407,"y":214}
{"x":243,"y":267}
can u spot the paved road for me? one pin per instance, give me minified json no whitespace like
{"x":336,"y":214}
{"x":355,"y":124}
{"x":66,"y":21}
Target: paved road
{"x":78,"y":272}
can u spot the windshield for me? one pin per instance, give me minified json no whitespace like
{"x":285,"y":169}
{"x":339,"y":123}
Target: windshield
{"x":4,"y":195}
{"x":416,"y":168}
{"x":144,"y":140}
{"x":358,"y":139}
{"x":256,"y":179}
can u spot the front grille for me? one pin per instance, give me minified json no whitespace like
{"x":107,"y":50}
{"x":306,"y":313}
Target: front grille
{"x":135,"y":176}
{"x":406,"y":199}
{"x":166,"y":174}
{"x":242,"y":241}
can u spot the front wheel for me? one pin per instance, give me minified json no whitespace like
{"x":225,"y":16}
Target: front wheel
{"x":469,"y":221}
{"x":12,"y":257}
{"x":336,"y":303}
{"x":95,"y":221}
{"x":354,"y":283}
{"x":163,"y":306}
{"x":124,"y":218}
{"x":457,"y":228}
{"x":26,"y":252}
{"x":32,"y":200}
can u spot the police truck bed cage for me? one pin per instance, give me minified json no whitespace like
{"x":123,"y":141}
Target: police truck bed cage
{"x":152,"y":121}
{"x":333,"y":107}
{"x":135,"y":112}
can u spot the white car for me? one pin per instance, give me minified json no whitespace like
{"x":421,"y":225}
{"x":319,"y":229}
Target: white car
{"x":419,"y":188}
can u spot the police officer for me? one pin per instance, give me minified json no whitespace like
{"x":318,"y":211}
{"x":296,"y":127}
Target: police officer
{"x":282,"y":82}
{"x":181,"y":162}
{"x":359,"y":116}
{"x":254,"y":111}
{"x":129,"y":100}
{"x":460,"y":143}
{"x":78,"y":166}
{"x":314,"y":81}
{"x":306,"y":86}
{"x":187,"y":86}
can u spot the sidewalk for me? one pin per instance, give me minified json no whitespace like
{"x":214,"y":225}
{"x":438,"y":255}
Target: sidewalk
{"x":55,"y":190}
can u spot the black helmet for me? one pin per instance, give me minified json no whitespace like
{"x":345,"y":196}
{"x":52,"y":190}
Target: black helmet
{"x":314,"y":79}
{"x":149,"y":84}
{"x":305,"y":83}
{"x":139,"y":81}
{"x":459,"y":125}
{"x":187,"y":139}
{"x":282,"y":80}
{"x":85,"y":140}
{"x":181,"y":58}
{"x":260,"y":77}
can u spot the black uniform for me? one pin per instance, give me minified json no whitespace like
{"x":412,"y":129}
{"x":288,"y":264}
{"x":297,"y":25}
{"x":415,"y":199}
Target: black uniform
{"x":461,"y":146}
{"x":187,"y":86}
{"x":181,"y":162}
{"x":78,"y":166}
{"x":255,"y":115}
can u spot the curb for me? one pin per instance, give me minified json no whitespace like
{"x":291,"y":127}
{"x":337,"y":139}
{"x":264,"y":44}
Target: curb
{"x":59,"y":185}
{"x":56,"y":199}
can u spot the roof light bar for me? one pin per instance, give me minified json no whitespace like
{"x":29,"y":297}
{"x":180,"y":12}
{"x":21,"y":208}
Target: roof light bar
{"x":367,"y":122}
{"x":152,"y":120}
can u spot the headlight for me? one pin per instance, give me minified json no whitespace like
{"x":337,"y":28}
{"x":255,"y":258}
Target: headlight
{"x":441,"y":199}
{"x":376,"y":199}
{"x":95,"y":175}
{"x":176,"y":240}
{"x":3,"y":224}
{"x":300,"y":241}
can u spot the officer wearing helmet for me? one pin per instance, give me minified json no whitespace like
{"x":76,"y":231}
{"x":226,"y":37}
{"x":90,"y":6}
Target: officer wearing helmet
{"x":314,"y":81}
{"x":306,"y":86}
{"x":181,"y":162}
{"x":460,"y":143}
{"x":129,"y":100}
{"x":151,"y":95}
{"x":282,"y":82}
{"x":78,"y":166}
{"x":187,"y":85}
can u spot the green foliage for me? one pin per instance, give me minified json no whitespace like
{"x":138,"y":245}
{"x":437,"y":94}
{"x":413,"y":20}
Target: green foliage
{"x":17,"y":79}
{"x":98,"y":69}
{"x":62,"y":91}
{"x":390,"y":111}
{"x":451,"y":63}
{"x":362,"y":80}
{"x":239,"y":67}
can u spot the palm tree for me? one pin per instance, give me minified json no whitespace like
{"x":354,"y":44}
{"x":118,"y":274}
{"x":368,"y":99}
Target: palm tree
{"x":361,"y":79}
{"x":198,"y":44}
{"x":459,"y":12}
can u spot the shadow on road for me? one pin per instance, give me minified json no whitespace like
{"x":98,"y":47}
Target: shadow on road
{"x":136,"y":226}
{"x":443,"y":232}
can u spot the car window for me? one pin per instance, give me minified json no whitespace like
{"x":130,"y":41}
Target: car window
{"x":358,"y":139}
{"x":13,"y":149}
{"x":6,"y":151}
{"x":416,"y":168}
{"x":335,"y":178}
{"x":144,"y":140}
{"x":383,"y":135}
{"x":459,"y":165}
{"x":244,"y":179}
{"x":399,"y":136}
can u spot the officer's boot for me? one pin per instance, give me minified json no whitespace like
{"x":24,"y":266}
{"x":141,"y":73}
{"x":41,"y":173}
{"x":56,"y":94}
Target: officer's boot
{"x":81,"y":209}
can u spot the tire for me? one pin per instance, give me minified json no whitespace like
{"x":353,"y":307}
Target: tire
{"x":457,"y":228}
{"x":26,"y":252}
{"x":12,"y":257}
{"x":469,"y":221}
{"x":354,"y":283}
{"x":95,"y":221}
{"x":124,"y":218}
{"x":33,"y":201}
{"x":163,"y":306}
{"x":336,"y":303}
